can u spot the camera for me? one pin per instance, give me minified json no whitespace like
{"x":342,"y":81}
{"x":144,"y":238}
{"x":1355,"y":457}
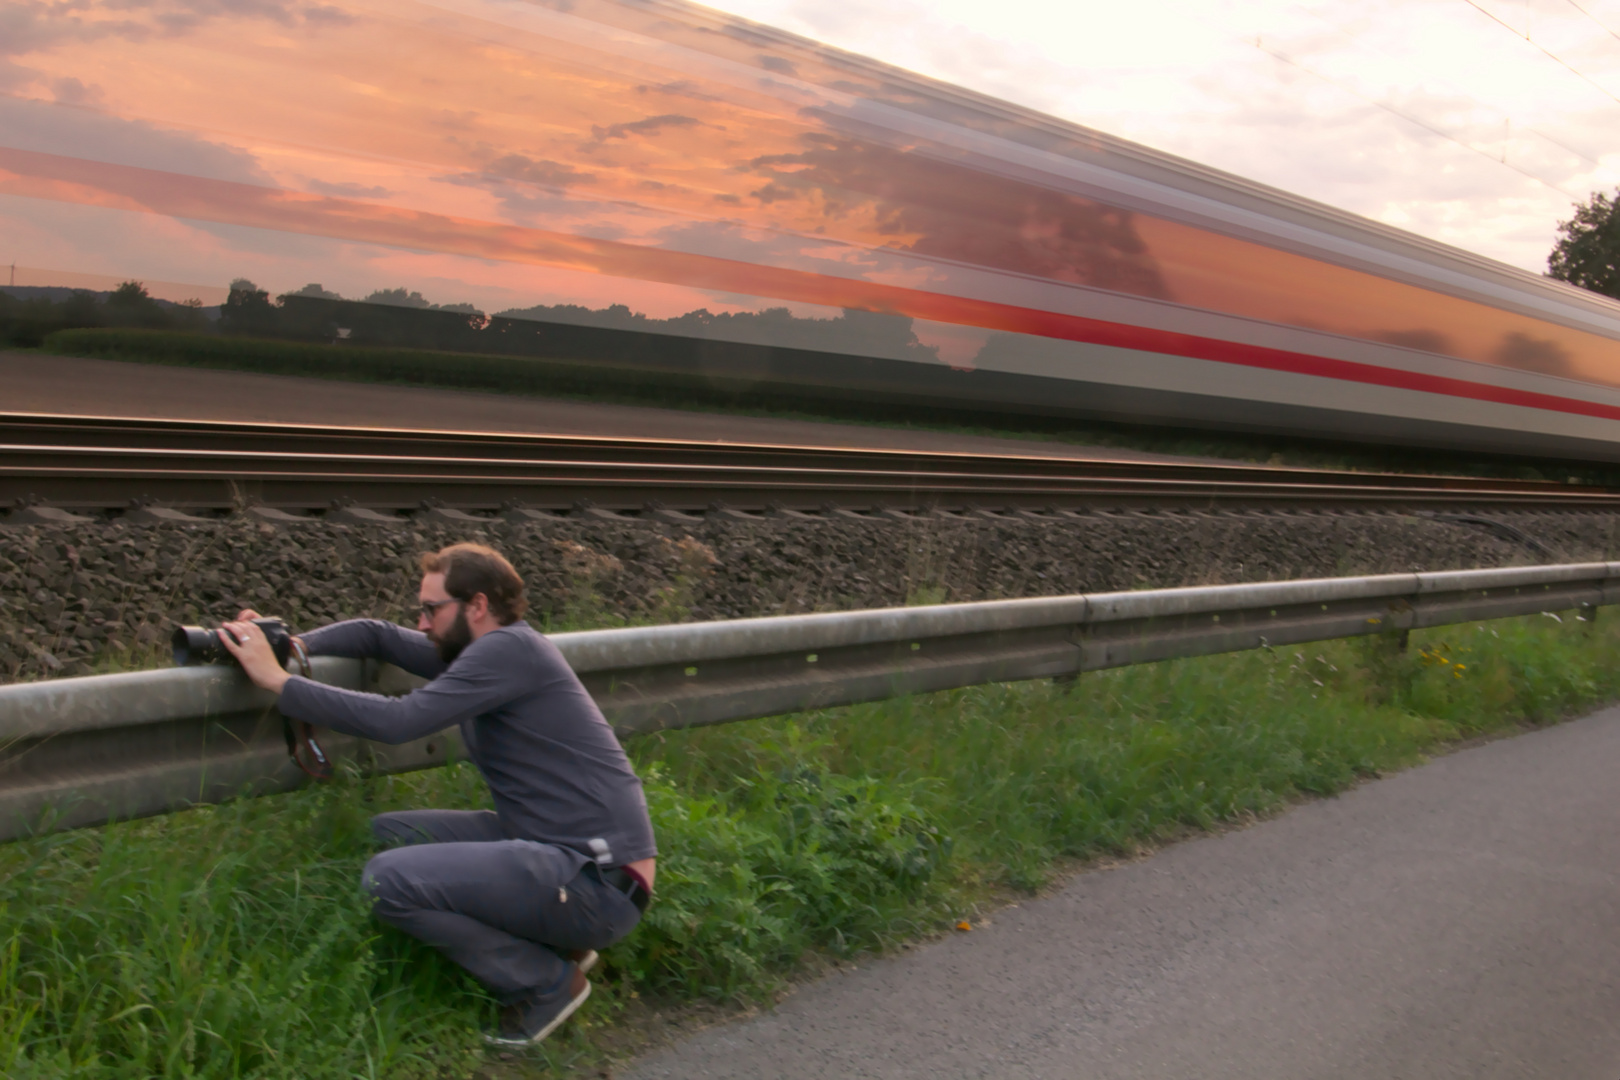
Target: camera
{"x":194,"y":645}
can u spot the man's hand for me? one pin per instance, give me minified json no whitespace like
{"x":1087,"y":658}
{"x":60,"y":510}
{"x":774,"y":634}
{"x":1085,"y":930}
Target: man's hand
{"x":252,"y":651}
{"x":247,"y":614}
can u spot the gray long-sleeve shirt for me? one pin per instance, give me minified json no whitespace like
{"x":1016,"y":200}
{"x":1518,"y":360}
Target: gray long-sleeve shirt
{"x":554,"y":767}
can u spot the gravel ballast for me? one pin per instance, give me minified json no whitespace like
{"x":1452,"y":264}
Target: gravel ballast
{"x":91,"y":596}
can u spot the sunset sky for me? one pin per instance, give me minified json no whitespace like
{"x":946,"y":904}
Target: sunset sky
{"x":507,"y":153}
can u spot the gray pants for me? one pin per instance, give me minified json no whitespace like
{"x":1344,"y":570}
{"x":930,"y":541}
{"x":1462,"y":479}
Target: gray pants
{"x":503,"y":909}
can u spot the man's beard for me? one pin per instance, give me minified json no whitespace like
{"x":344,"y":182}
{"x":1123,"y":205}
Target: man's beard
{"x":458,"y":637}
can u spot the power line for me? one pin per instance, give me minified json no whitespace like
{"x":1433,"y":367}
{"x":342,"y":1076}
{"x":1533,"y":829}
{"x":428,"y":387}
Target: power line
{"x":1595,"y":20}
{"x":1546,"y":51}
{"x":1507,"y":119}
{"x":1500,"y":159}
{"x":1409,"y":118}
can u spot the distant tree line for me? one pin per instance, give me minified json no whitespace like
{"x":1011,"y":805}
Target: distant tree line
{"x":403,"y":319}
{"x":400,"y":318}
{"x":25,"y":320}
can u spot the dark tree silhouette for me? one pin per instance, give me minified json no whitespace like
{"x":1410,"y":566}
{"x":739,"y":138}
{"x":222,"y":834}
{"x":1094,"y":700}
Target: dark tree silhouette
{"x":27,"y":321}
{"x":80,"y":309}
{"x":1587,"y":252}
{"x":248,"y":310}
{"x":404,"y":298}
{"x":131,"y":305}
{"x":314,"y":289}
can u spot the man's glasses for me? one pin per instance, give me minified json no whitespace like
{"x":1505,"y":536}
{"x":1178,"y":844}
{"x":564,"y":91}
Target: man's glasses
{"x":430,"y":608}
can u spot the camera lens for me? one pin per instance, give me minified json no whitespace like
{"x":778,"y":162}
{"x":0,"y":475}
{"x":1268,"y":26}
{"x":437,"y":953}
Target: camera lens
{"x":194,"y":645}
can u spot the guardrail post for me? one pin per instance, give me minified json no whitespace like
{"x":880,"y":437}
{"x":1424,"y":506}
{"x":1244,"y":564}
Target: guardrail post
{"x":1071,"y":679}
{"x":1398,"y":623}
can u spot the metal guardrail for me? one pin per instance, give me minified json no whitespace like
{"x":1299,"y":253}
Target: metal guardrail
{"x":82,"y":751}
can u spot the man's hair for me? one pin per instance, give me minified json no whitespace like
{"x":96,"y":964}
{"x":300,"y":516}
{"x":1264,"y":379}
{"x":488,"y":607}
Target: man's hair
{"x":470,"y":569}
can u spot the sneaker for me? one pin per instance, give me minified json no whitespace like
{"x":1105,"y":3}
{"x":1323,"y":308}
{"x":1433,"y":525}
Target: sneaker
{"x":584,"y":959}
{"x":525,"y":1022}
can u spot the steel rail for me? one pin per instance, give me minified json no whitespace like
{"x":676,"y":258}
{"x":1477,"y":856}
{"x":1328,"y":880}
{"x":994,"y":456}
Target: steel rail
{"x":258,"y":438}
{"x":97,"y":463}
{"x":82,"y":751}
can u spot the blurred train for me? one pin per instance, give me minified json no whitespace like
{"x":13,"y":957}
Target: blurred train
{"x":652,"y":183}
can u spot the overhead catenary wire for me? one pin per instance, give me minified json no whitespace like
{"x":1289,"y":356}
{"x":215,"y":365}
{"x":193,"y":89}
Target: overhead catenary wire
{"x":1599,"y":23}
{"x":1566,"y":65}
{"x":1507,"y":119}
{"x":1257,"y":42}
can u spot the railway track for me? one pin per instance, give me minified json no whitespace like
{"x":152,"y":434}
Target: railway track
{"x":81,"y":463}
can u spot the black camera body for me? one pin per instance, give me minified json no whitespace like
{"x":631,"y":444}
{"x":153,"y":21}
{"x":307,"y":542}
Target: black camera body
{"x":194,"y":645}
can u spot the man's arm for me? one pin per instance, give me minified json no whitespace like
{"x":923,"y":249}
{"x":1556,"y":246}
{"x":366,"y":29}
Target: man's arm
{"x":463,"y":691}
{"x":373,"y":639}
{"x":477,"y":683}
{"x":369,"y":639}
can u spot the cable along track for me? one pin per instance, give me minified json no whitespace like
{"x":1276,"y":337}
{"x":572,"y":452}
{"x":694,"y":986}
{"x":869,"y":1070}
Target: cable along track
{"x":85,"y":463}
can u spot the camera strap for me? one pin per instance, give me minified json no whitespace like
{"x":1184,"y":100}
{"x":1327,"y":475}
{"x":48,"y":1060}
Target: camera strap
{"x":301,"y":745}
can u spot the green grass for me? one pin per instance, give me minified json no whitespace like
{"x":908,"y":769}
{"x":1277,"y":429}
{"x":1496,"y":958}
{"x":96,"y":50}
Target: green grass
{"x":596,"y":380}
{"x":232,"y":941}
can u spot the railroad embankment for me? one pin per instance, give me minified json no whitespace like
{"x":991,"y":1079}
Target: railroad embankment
{"x":784,"y":843}
{"x":76,"y":597}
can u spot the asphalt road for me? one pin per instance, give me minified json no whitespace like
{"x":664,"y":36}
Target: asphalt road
{"x":36,"y":382}
{"x":1457,"y":920}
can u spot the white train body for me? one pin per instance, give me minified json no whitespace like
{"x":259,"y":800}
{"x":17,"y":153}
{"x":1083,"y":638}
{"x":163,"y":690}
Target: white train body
{"x":552,"y":160}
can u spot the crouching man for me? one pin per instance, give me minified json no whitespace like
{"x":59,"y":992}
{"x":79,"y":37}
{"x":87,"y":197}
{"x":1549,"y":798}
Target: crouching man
{"x":523,"y":896}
